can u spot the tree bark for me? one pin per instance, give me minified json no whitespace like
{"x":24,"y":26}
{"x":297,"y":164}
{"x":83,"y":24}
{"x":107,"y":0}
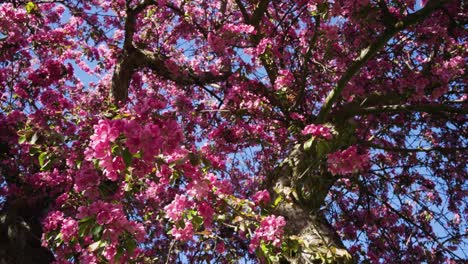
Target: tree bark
{"x":20,"y":234}
{"x":20,"y":222}
{"x":303,"y":183}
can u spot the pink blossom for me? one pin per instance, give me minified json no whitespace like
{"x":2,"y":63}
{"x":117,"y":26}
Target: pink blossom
{"x":88,"y":257}
{"x":285,"y":79}
{"x":456,"y":219}
{"x":69,"y":229}
{"x":297,"y":116}
{"x":53,"y":220}
{"x":206,"y":211}
{"x":86,"y":178}
{"x":183,"y":234}
{"x":220,"y":247}
{"x":105,"y":133}
{"x":261,"y":197}
{"x":198,"y":188}
{"x":271,"y":230}
{"x":175,"y":209}
{"x":109,"y":252}
{"x":347,"y":161}
{"x":317,"y":131}
{"x":242,"y":28}
{"x":104,"y":217}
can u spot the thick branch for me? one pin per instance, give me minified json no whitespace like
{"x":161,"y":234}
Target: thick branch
{"x":370,"y":51}
{"x":259,"y":12}
{"x":243,"y":10}
{"x":133,"y":59}
{"x":354,"y":110}
{"x":409,"y":150}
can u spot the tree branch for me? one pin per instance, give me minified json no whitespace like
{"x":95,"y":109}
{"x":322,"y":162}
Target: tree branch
{"x":133,"y":59}
{"x":258,"y":13}
{"x":409,"y":150}
{"x":370,"y":51}
{"x":354,"y":110}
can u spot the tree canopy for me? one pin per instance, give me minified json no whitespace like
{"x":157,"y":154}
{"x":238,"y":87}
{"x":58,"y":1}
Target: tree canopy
{"x":222,"y":131}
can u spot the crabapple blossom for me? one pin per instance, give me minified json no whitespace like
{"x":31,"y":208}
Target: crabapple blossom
{"x":251,"y":131}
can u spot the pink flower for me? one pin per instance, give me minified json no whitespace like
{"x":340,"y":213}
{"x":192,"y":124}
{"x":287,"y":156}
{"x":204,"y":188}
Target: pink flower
{"x":456,"y":219}
{"x":261,"y":197}
{"x":317,"y":131}
{"x":86,"y":178}
{"x":347,"y":161}
{"x":69,"y":229}
{"x":285,"y":79}
{"x":271,"y":230}
{"x":53,"y":221}
{"x":206,"y":211}
{"x":241,"y":28}
{"x":106,"y":132}
{"x":297,"y":116}
{"x":183,"y":234}
{"x":175,"y":209}
{"x":109,"y":252}
{"x":220,"y":247}
{"x":104,"y":217}
{"x":88,"y":257}
{"x":198,"y":189}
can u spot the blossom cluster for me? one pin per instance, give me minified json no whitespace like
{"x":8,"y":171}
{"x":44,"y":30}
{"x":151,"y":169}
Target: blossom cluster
{"x":271,"y":230}
{"x":185,"y":157}
{"x":176,"y":208}
{"x":105,"y":133}
{"x":149,"y":139}
{"x":261,"y":197}
{"x":111,"y":217}
{"x":347,"y":161}
{"x":318,"y":131}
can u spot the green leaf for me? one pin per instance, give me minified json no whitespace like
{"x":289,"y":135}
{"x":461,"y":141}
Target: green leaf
{"x":128,"y":187}
{"x":58,"y":237}
{"x":322,"y":148}
{"x":277,"y":200}
{"x":114,"y":149}
{"x":34,"y":139}
{"x":274,"y":258}
{"x":31,"y":7}
{"x":42,"y":158}
{"x":33,"y":150}
{"x":127,"y":157}
{"x":197,"y":220}
{"x":191,"y":214}
{"x":47,"y":165}
{"x":96,"y":245}
{"x":86,"y":219}
{"x":264,"y":248}
{"x":308,"y":143}
{"x":82,"y":230}
{"x":130,"y":245}
{"x":137,"y":155}
{"x":22,"y":139}
{"x":97,"y":231}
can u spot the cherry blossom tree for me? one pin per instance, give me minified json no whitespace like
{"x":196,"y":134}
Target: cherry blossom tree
{"x":168,"y":131}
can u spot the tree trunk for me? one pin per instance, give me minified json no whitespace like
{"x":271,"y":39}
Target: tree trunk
{"x":303,"y":182}
{"x":20,"y":234}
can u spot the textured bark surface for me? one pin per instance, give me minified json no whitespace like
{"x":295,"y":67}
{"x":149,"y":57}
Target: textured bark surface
{"x":20,"y":234}
{"x":297,"y":176}
{"x":319,"y":240}
{"x":20,"y":223}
